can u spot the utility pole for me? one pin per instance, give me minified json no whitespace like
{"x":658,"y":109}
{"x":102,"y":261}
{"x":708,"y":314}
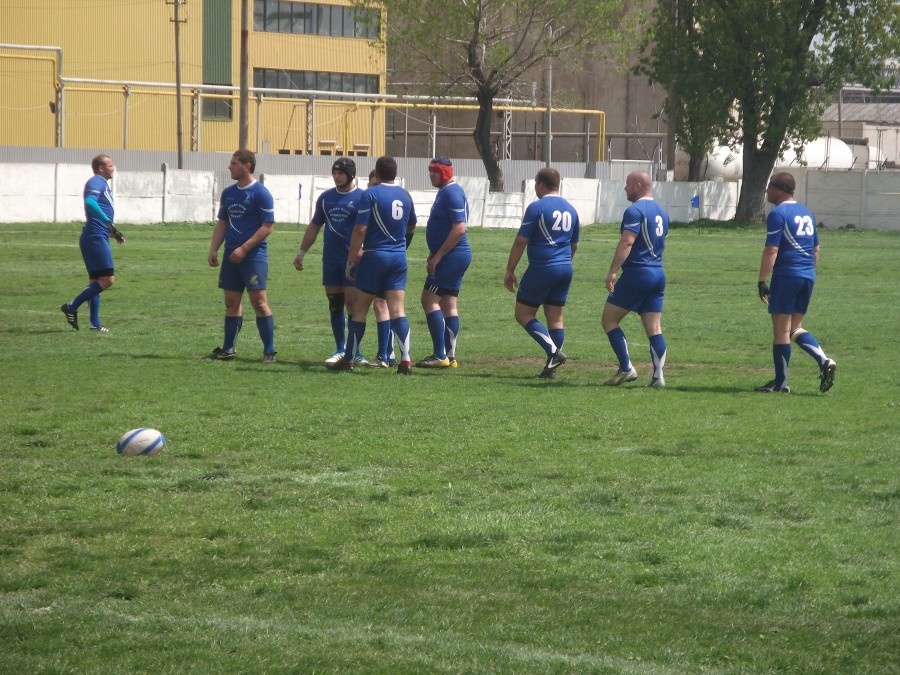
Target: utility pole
{"x":243,"y":111}
{"x":178,"y":118}
{"x":550,"y":100}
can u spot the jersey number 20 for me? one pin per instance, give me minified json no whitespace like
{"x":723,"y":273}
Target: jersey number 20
{"x":562,"y":220}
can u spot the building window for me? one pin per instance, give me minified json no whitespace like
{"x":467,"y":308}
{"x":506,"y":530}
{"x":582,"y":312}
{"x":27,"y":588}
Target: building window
{"x":307,"y":79}
{"x":217,"y":109}
{"x":310,"y":18}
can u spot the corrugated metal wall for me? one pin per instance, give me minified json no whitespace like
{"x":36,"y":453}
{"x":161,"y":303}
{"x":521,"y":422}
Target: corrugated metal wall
{"x":135,"y":42}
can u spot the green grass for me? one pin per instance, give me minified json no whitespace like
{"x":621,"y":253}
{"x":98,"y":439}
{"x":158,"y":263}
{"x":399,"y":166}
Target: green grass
{"x":478,"y":520}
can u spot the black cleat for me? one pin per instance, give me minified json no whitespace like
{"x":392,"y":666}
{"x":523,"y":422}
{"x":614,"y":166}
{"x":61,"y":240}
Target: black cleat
{"x":555,"y":360}
{"x":219,"y":354}
{"x":342,"y":365}
{"x":71,"y":317}
{"x":405,"y":368}
{"x":547,"y":374}
{"x":826,"y":375}
{"x":771,"y":387}
{"x":269,"y":357}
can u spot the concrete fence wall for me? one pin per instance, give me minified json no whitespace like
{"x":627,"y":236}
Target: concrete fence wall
{"x":53,"y":193}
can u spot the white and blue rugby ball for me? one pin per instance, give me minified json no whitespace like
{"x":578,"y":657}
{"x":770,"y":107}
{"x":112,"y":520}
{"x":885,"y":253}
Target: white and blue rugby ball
{"x":137,"y":442}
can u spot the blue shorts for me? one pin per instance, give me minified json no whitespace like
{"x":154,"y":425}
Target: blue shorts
{"x":380,"y":271}
{"x":96,"y":253}
{"x":545,"y":285}
{"x":448,"y":274}
{"x":333,"y":272}
{"x":790,"y":294}
{"x":250,"y":274}
{"x":640,"y":289}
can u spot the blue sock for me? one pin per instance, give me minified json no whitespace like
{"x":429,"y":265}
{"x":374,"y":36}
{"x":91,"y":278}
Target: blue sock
{"x":384,"y":339}
{"x":338,"y":328}
{"x":89,"y":292}
{"x":808,"y":343}
{"x":541,"y":335}
{"x":620,"y":347}
{"x":94,"y":304}
{"x":355,"y":332}
{"x":781,"y":354}
{"x":558,"y":335}
{"x":266,"y":327}
{"x":451,"y":332}
{"x":400,"y":328}
{"x":436,"y":326}
{"x":232,"y":328}
{"x":658,"y":354}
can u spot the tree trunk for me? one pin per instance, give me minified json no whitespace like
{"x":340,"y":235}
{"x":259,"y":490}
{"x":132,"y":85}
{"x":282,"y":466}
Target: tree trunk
{"x":695,"y":163}
{"x":482,"y":136}
{"x":757,"y":169}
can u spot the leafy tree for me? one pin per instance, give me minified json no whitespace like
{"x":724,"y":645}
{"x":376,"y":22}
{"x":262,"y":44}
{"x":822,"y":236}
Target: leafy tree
{"x":698,"y":114}
{"x":778,"y":63}
{"x":484,"y":47}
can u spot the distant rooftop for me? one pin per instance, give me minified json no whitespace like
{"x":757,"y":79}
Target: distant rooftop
{"x":887,"y":114}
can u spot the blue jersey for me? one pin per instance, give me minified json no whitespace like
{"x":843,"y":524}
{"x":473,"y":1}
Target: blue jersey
{"x":450,"y":207}
{"x":386,"y":209}
{"x":98,"y":189}
{"x":792,"y":228}
{"x":647,"y":219}
{"x":244,"y":210}
{"x":337,"y":212}
{"x":551,"y":226}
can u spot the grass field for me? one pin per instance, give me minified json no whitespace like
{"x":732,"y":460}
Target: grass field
{"x":478,"y":520}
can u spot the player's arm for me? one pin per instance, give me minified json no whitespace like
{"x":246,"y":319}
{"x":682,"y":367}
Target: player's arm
{"x":356,"y":243}
{"x":93,"y":208}
{"x":519,"y":245}
{"x":218,"y":236}
{"x":623,"y":248}
{"x":263,"y":231}
{"x":457,"y":230}
{"x":309,"y":238}
{"x":766,"y":264}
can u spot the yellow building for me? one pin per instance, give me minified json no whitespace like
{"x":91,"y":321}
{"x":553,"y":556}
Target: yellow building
{"x":107,"y":78}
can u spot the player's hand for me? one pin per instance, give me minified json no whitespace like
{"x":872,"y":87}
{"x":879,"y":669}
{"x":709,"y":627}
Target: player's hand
{"x":298,"y":261}
{"x":350,"y":270}
{"x":237,"y":255}
{"x":213,"y":259}
{"x":510,"y":281}
{"x":119,"y":237}
{"x":431,"y":264}
{"x":764,"y":293}
{"x":610,"y":281}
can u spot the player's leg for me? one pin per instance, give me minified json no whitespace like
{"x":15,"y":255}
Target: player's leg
{"x":434,"y":317}
{"x":610,"y":320}
{"x":234,"y":319}
{"x":350,"y":294}
{"x":784,"y":294}
{"x":265,"y":323}
{"x":356,"y":329}
{"x":396,"y":302}
{"x":450,"y":310}
{"x":653,"y":326}
{"x":385,"y":356}
{"x":336,"y":305}
{"x":807,"y":342}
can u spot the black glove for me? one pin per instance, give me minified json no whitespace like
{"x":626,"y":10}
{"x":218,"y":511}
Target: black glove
{"x":119,"y":237}
{"x":764,"y":293}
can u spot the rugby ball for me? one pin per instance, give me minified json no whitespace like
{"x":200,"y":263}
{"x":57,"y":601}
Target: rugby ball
{"x":146,"y":442}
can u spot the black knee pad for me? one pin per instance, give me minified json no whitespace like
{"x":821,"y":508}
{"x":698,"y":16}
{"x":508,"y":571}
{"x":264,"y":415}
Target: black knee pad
{"x":335,"y":303}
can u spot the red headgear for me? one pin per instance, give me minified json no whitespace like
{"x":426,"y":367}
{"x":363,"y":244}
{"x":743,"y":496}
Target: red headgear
{"x":443,"y":167}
